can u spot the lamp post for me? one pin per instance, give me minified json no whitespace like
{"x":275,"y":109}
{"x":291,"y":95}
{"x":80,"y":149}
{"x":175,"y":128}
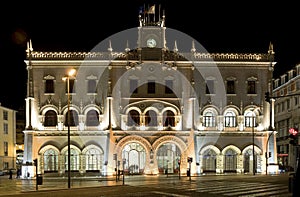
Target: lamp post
{"x":67,"y":78}
{"x":253,"y":144}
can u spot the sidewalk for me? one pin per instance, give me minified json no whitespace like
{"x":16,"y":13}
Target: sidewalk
{"x":21,"y":186}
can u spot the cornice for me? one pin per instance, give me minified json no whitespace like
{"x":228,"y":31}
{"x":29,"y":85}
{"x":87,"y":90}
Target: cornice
{"x":133,"y":55}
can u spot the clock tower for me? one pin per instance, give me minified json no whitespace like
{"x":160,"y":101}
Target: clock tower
{"x":151,"y":32}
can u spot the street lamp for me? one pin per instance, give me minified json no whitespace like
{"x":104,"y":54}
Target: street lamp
{"x":67,"y":78}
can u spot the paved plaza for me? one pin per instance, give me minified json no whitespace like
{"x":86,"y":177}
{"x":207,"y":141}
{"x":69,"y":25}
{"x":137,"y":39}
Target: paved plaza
{"x":172,"y":185}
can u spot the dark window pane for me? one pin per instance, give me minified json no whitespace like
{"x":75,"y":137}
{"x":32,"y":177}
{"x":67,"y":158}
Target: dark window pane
{"x":91,"y":86}
{"x":133,"y":86}
{"x":251,"y":87}
{"x":50,"y":118}
{"x":151,"y":87}
{"x":230,"y":87}
{"x":169,"y":87}
{"x":92,"y":118}
{"x":49,"y":86}
{"x":210,"y":87}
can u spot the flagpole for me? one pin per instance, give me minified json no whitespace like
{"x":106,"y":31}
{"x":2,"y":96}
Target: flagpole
{"x":159,"y":12}
{"x":148,"y":18}
{"x":144,"y":13}
{"x":154,"y":15}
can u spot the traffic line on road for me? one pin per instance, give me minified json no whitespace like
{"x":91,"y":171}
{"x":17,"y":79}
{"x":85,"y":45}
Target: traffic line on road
{"x":221,"y":188}
{"x":261,"y":191}
{"x":169,"y":194}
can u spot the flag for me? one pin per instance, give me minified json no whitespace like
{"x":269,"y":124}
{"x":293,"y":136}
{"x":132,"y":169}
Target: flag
{"x":151,"y":10}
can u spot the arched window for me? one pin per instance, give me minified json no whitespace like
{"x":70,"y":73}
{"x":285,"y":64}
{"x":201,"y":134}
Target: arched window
{"x":168,"y":119}
{"x":50,"y":118}
{"x":74,"y":157}
{"x":230,"y":160}
{"x":230,"y":119}
{"x":94,"y":159}
{"x":209,"y":119}
{"x":73,"y":118}
{"x":151,"y":118}
{"x":209,"y":161}
{"x":50,"y":160}
{"x":249,"y":119}
{"x":92,"y":118}
{"x":133,"y":118}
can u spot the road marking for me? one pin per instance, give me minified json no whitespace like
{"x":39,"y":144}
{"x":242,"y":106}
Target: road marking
{"x":256,"y":191}
{"x":169,"y":194}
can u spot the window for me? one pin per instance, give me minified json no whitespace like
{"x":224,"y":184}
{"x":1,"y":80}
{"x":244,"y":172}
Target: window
{"x":73,"y":118}
{"x":72,"y":86}
{"x":230,"y":87}
{"x":51,"y":160}
{"x":150,"y":118}
{"x":92,"y":86}
{"x":209,"y":160}
{"x":169,"y":87}
{"x":209,"y":119}
{"x":93,"y":159}
{"x":230,"y":160}
{"x":168,"y":119}
{"x":230,"y":119}
{"x":49,"y":86}
{"x":5,"y":128}
{"x":74,"y":164}
{"x":5,"y":148}
{"x":249,"y":119}
{"x":50,"y":118}
{"x":133,"y":86}
{"x":251,"y":89}
{"x":5,"y":115}
{"x":5,"y":166}
{"x":210,"y":89}
{"x":133,"y":118}
{"x":92,"y":118}
{"x":151,"y":87}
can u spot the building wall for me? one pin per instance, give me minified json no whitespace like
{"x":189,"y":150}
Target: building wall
{"x":149,"y":146}
{"x":286,"y":93}
{"x":7,"y":140}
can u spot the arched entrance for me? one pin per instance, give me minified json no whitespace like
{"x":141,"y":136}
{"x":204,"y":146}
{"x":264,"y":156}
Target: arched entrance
{"x":230,"y":161}
{"x":135,"y":156}
{"x":209,"y":161}
{"x":168,"y":156}
{"x":248,"y":161}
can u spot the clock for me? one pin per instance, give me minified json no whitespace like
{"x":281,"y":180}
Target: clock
{"x":151,"y":43}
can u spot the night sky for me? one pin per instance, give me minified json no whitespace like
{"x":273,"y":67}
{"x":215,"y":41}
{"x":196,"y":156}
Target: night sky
{"x":220,"y":27}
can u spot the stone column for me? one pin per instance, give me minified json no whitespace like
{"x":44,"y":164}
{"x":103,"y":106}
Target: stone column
{"x":220,"y":164}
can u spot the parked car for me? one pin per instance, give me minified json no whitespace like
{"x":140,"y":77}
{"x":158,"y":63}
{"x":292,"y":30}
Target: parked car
{"x":6,"y":172}
{"x":2,"y":172}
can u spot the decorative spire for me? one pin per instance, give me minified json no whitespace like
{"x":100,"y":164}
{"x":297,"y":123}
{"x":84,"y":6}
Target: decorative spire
{"x":193,"y":49}
{"x":271,"y":50}
{"x":110,"y":49}
{"x":175,"y":47}
{"x":163,"y":20}
{"x":29,"y":47}
{"x":127,"y":46}
{"x":271,"y":56}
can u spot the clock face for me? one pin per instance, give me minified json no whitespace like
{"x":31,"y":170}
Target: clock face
{"x":151,"y":43}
